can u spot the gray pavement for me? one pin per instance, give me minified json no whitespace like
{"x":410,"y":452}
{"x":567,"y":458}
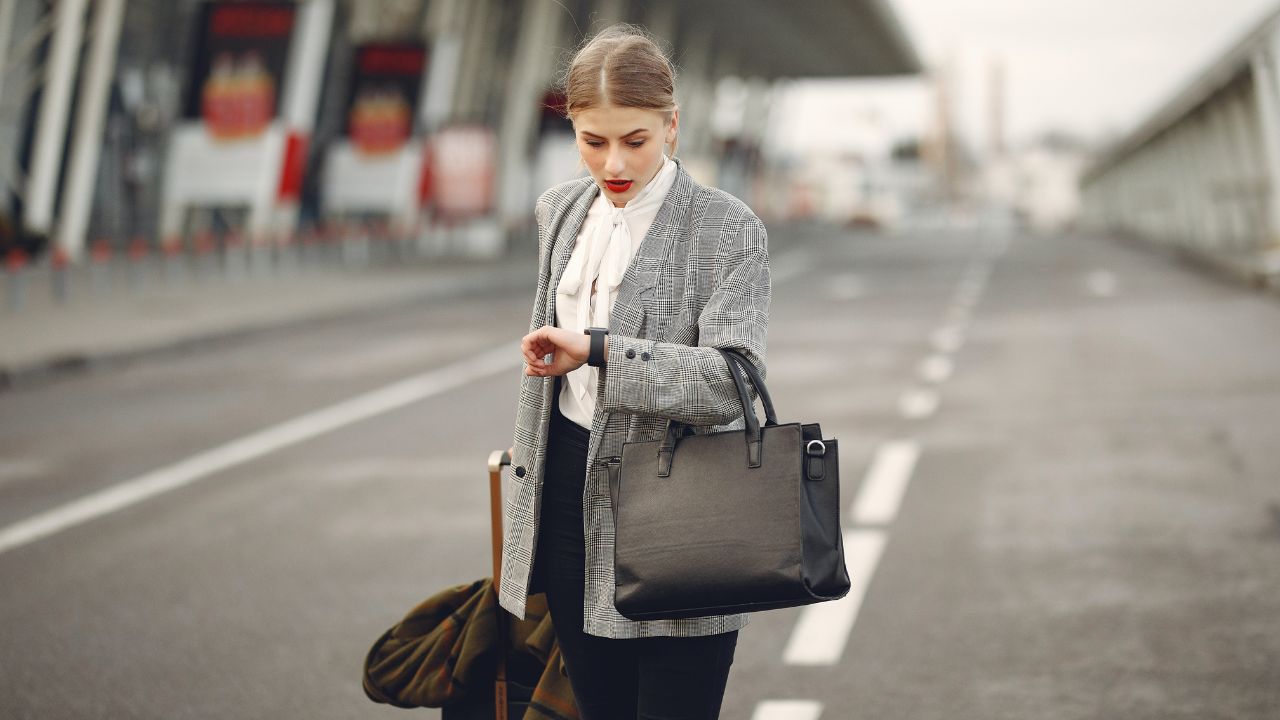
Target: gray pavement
{"x":124,"y":314}
{"x":1090,"y":531}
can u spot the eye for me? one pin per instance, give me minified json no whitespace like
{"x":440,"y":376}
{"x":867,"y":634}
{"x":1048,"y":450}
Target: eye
{"x":594,"y":143}
{"x":636,"y":143}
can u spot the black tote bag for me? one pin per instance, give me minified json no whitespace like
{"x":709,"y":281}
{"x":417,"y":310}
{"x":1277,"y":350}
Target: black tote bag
{"x":728,"y":522}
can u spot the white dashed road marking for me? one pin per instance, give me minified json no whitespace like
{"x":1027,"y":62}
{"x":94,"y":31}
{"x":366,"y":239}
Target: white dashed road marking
{"x":885,"y":483}
{"x":947,"y":339}
{"x":823,"y":629}
{"x":918,"y":403}
{"x":788,"y":710}
{"x":935,"y":368}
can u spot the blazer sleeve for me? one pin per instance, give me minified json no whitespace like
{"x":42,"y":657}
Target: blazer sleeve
{"x":692,"y":384}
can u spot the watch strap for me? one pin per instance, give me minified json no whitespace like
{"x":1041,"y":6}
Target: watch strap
{"x":595,"y":355}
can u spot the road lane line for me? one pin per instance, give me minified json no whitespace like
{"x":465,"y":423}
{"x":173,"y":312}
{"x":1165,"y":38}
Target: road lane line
{"x":788,"y":710}
{"x":948,"y":338}
{"x":936,"y":368}
{"x":886,"y":482}
{"x":823,"y":628}
{"x":263,"y":442}
{"x":918,"y":403}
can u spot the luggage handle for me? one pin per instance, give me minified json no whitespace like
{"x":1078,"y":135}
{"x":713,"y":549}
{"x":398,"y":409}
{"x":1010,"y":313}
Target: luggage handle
{"x":497,"y":459}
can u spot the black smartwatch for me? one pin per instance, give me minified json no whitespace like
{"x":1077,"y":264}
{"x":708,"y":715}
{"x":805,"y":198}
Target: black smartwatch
{"x":595,"y":356}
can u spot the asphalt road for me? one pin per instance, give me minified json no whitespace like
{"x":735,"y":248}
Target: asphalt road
{"x":1083,"y":519}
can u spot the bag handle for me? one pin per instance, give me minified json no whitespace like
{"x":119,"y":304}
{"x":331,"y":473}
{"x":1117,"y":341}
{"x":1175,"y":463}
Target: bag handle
{"x":771,"y":418}
{"x":752,"y":431}
{"x":737,"y":364}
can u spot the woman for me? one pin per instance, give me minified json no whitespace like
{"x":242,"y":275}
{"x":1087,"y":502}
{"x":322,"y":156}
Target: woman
{"x":656,"y":271}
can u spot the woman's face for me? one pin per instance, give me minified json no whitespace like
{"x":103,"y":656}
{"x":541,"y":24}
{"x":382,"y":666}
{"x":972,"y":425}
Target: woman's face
{"x":622,"y":147}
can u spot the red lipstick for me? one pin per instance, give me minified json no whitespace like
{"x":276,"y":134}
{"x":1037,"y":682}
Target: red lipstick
{"x":618,"y":186}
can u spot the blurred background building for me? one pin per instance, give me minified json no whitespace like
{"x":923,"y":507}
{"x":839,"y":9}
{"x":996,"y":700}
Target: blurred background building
{"x":197,"y":125}
{"x":1202,"y":173}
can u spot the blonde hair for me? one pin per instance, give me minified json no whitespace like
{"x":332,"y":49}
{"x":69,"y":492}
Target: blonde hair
{"x":621,"y":65}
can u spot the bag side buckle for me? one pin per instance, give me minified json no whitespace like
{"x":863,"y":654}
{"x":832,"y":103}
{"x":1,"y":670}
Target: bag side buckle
{"x":815,"y":466}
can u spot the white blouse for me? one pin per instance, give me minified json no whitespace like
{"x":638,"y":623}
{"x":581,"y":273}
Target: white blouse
{"x":608,"y":239}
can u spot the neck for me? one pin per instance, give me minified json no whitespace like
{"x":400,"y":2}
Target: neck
{"x":623,"y":203}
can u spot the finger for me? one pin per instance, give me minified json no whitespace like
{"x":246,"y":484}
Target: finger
{"x":526,"y":348}
{"x":533,"y":352}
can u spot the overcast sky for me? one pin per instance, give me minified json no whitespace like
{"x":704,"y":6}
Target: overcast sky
{"x":1085,"y":66}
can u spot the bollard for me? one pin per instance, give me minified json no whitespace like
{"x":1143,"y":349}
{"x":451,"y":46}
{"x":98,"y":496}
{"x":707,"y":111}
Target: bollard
{"x":321,"y":241}
{"x":308,"y":245}
{"x":352,"y":244}
{"x":233,"y":256}
{"x":16,"y":269}
{"x":301,"y":248}
{"x":171,"y":249}
{"x":137,"y":258}
{"x":100,"y":266}
{"x":321,"y":246}
{"x":371,"y":248}
{"x":272,"y":244}
{"x":373,"y":230}
{"x":404,"y":243}
{"x":384,"y":242}
{"x":341,"y":253}
{"x":59,"y":271}
{"x":205,"y":262}
{"x":260,"y":255}
{"x":286,"y":253}
{"x":393,"y":243}
{"x":333,"y":243}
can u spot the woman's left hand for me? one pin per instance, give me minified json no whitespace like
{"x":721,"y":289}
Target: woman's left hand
{"x":567,"y":348}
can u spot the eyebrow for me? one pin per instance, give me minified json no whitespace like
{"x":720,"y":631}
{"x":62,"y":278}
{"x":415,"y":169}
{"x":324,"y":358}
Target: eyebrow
{"x":633,"y":132}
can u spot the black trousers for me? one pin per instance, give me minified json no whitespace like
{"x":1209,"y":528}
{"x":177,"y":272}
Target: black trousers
{"x":650,"y":678}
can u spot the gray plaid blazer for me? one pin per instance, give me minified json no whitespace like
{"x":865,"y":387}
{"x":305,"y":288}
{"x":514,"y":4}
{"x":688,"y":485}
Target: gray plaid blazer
{"x":699,"y":280}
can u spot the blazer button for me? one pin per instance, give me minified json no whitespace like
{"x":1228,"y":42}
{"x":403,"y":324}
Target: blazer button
{"x":644,"y":356}
{"x":631,"y":352}
{"x":519,"y":471}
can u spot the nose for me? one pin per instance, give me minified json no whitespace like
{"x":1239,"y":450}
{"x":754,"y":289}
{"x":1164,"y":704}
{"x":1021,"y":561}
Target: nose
{"x":613,"y":165}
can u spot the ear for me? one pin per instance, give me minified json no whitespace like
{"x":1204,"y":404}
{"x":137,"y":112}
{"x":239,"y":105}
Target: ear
{"x":675,"y":123}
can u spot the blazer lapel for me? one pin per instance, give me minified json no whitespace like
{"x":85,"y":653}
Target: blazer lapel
{"x":646,"y":267}
{"x":566,"y":238}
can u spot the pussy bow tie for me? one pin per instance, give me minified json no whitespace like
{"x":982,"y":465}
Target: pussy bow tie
{"x":606,"y":260}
